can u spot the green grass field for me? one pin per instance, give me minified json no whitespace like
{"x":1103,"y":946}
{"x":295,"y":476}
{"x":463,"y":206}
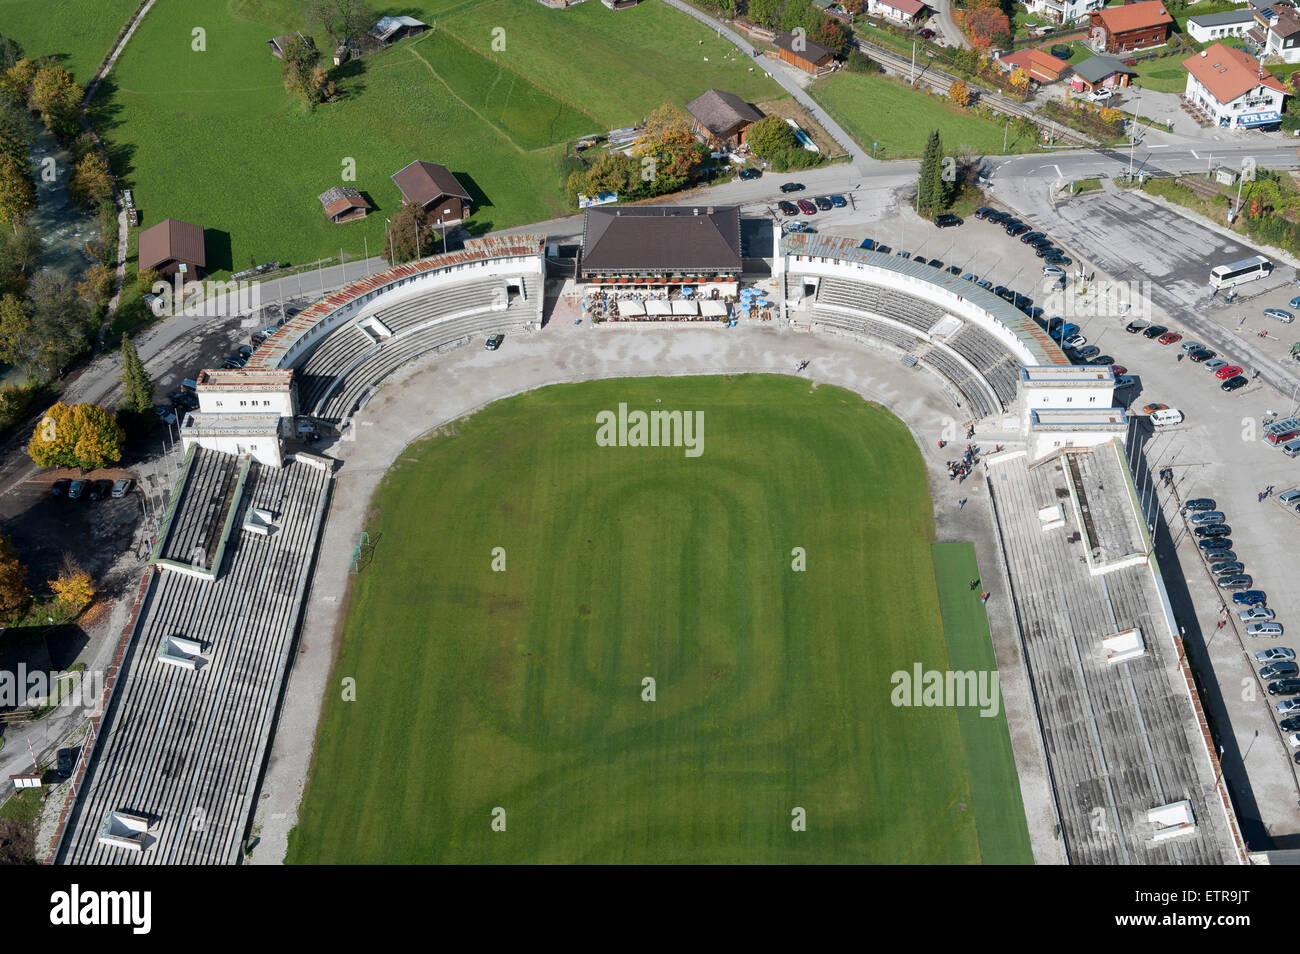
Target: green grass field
{"x":212,"y":137}
{"x":522,"y":689}
{"x":875,"y":108}
{"x":79,"y":32}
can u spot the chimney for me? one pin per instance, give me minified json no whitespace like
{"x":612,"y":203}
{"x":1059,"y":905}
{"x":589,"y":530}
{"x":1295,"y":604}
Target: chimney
{"x":709,"y":210}
{"x":695,"y":211}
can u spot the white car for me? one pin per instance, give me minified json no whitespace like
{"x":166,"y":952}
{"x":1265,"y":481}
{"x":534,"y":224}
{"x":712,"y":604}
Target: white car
{"x":1274,"y":654}
{"x":1264,"y":629}
{"x":1289,"y":496}
{"x":1253,"y":613}
{"x":1075,"y":341}
{"x":1294,"y":739}
{"x":1054,"y":270}
{"x":1101,"y":95}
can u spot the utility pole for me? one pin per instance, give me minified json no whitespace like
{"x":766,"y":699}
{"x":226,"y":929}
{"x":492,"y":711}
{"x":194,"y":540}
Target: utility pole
{"x":1005,"y":130}
{"x":392,"y":259}
{"x":913,"y":79}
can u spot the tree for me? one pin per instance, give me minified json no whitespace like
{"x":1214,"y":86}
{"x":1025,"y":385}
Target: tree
{"x":343,"y":20}
{"x":14,"y":594}
{"x":79,"y":435}
{"x":96,"y":284}
{"x":772,"y":139}
{"x":299,"y":71}
{"x":1019,"y":80}
{"x":666,"y":138}
{"x":137,"y":389}
{"x":614,"y":172}
{"x":765,"y":12}
{"x":17,"y":191}
{"x":959,"y":93}
{"x":57,"y":97}
{"x":10,"y":53}
{"x":409,"y":233}
{"x":73,"y":587}
{"x":91,"y":181}
{"x":20,"y":249}
{"x":60,"y":326}
{"x":16,"y":85}
{"x":145,"y":278}
{"x":931,"y":188}
{"x":15,"y":328}
{"x":831,"y":34}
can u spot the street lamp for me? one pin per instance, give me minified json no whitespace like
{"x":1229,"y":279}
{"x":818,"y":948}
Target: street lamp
{"x":392,"y":259}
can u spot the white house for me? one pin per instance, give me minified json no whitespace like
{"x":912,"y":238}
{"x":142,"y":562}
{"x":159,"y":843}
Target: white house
{"x":247,"y":391}
{"x":1232,"y":89}
{"x":256,"y":434}
{"x":905,"y":12}
{"x":1281,"y":38}
{"x":1064,"y":11}
{"x":1216,"y":26}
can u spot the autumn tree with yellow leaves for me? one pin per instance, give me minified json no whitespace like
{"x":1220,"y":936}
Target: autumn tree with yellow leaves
{"x":79,"y":435}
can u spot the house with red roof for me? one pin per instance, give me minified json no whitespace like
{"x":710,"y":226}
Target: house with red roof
{"x":1231,"y":89}
{"x":1133,"y":26}
{"x":1041,"y":67}
{"x":906,"y":12}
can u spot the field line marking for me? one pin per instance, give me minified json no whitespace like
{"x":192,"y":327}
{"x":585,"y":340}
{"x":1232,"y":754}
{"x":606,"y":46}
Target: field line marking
{"x":501,"y":132}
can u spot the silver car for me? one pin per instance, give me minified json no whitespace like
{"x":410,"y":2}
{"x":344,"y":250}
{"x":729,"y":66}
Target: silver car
{"x":1268,"y":629}
{"x":1207,"y":516}
{"x":1274,"y":654}
{"x":1253,"y":613}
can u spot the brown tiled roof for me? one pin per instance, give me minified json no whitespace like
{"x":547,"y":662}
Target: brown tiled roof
{"x":812,"y":52}
{"x":421,"y":182}
{"x":653,"y":237}
{"x":1227,"y":73}
{"x":720,"y":112}
{"x":169,"y":241}
{"x":340,"y":199}
{"x":1134,"y":16}
{"x":1041,"y":66}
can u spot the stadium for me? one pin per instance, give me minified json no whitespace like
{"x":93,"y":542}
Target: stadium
{"x":540,"y":647}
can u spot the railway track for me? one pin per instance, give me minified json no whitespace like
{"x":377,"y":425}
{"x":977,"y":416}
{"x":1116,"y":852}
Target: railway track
{"x":940,"y":81}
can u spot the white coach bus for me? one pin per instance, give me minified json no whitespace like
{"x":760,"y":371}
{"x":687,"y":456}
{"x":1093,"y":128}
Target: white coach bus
{"x":1247,"y":270}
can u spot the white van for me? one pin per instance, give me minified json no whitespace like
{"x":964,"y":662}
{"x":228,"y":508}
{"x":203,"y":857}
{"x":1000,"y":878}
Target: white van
{"x":1291,"y":448}
{"x":1167,"y":417}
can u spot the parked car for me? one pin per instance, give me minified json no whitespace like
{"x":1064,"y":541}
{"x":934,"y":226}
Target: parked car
{"x":1294,"y":302}
{"x":1152,"y":408}
{"x":1213,"y":530}
{"x":1169,"y":337}
{"x":985,"y":284}
{"x":1029,"y":237}
{"x":100,"y":489}
{"x":1267,"y":629}
{"x":802,"y":228}
{"x":234,"y":363}
{"x":1206,"y":518}
{"x":76,"y":489}
{"x":935,"y":263}
{"x":1233,"y":383}
{"x":1289,"y":496}
{"x":1088,"y":352}
{"x":1200,"y":503}
{"x":1234,"y":581}
{"x":1250,"y":597}
{"x":1287,"y":706}
{"x":1285,"y":687}
{"x":751,"y":173}
{"x":1282,"y":669}
{"x":838,"y":201}
{"x":1275,"y":654}
{"x":1042,"y":245}
{"x":1123,"y":381}
{"x":1048,"y":252}
{"x":792,"y":187}
{"x":1222,"y":555}
{"x":1075,"y":341}
{"x":982,"y":212}
{"x":1214,"y":543}
{"x":970,"y":277}
{"x":1056,"y":258}
{"x":1205,"y":354}
{"x":165,"y":414}
{"x":948,"y":221}
{"x":1154,"y":331}
{"x":884,"y":249}
{"x":787,"y":207}
{"x":926,"y":34}
{"x":806,"y":207}
{"x":1190,"y":346}
{"x":1283,"y":316}
{"x":123,"y":487}
{"x":953,"y":269}
{"x":1136,"y":325}
{"x":1015,"y":231}
{"x":1290,"y":724}
{"x":1101,"y":95}
{"x":1102,"y":359}
{"x":494,"y":341}
{"x":1231,"y":371}
{"x":1215,"y":365}
{"x":60,"y":487}
{"x":1256,"y":614}
{"x":998,"y":218}
{"x":1223,"y":569}
{"x":1055,"y":271}
{"x":823,"y":203}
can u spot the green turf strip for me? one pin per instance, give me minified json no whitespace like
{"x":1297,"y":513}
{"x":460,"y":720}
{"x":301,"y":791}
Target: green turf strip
{"x":990,"y":764}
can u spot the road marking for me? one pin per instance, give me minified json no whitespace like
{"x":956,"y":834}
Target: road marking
{"x":1165,"y":146}
{"x":1194,"y":155}
{"x":1059,"y":174}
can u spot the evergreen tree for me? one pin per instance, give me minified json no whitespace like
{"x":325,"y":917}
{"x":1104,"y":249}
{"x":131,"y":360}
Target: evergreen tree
{"x":939,"y":190}
{"x":137,"y":389}
{"x":929,"y":174}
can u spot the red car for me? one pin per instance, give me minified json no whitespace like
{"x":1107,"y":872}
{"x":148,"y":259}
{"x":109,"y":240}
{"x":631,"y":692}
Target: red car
{"x":1169,"y":337}
{"x":1118,"y":369}
{"x":807,"y":207}
{"x":1231,"y":371}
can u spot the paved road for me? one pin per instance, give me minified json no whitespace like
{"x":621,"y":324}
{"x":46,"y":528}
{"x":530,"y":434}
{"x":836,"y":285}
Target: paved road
{"x":789,"y":84}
